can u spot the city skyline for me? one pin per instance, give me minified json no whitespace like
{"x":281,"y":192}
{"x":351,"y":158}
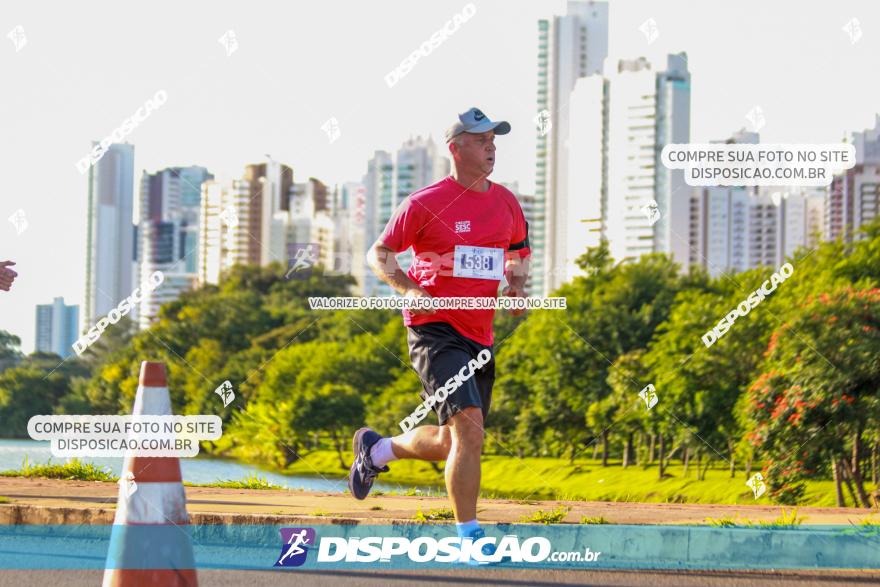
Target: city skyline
{"x":58,"y":268}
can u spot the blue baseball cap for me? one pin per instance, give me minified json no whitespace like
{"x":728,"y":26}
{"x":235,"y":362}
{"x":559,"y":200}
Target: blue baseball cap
{"x":474,"y":121}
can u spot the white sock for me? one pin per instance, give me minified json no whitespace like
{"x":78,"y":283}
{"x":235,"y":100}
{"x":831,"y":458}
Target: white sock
{"x":381,"y":453}
{"x":466,"y":528}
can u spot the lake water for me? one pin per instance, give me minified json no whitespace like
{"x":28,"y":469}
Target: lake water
{"x":194,"y":470}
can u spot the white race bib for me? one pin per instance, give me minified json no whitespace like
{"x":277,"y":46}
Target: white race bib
{"x":478,"y":262}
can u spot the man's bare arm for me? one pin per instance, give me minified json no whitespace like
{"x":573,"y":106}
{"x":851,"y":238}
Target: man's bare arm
{"x":383,"y":262}
{"x":516,"y":271}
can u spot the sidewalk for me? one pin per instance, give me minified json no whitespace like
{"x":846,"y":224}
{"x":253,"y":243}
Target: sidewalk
{"x":51,"y":501}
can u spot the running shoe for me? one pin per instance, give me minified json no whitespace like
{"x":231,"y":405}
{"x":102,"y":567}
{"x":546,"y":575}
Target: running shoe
{"x":487,"y":550}
{"x":363,"y":472}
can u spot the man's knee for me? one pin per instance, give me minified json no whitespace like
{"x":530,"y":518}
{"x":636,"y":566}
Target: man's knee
{"x":467,"y":427}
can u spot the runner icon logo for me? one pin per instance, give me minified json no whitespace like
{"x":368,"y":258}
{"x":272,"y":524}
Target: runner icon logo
{"x":302,"y":257}
{"x":297,"y":542}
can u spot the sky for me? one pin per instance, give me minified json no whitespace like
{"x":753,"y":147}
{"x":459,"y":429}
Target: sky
{"x":85,"y":67}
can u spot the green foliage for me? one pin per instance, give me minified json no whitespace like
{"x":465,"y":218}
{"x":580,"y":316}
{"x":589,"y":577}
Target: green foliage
{"x":790,"y":388}
{"x":785,"y":519}
{"x":434,"y":515}
{"x":723,"y":522}
{"x":71,"y":470}
{"x":34,"y":387}
{"x":252,"y":481}
{"x":556,"y":364}
{"x":547,"y":516}
{"x":10,"y":353}
{"x":820,"y":384}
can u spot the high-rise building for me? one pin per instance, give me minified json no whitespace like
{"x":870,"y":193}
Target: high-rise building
{"x":269,"y":186}
{"x":335,"y":234}
{"x":379,"y":205}
{"x":719,"y":218}
{"x":570,"y":46}
{"x":719,"y":221}
{"x":379,"y":185}
{"x":854,"y":195}
{"x":191,"y":180}
{"x":245,"y":221}
{"x":57,"y":328}
{"x":418,"y":163}
{"x":763,"y":232}
{"x":110,"y":248}
{"x":354,"y":202}
{"x":736,"y":228}
{"x":308,"y":200}
{"x":583,"y":222}
{"x":647,"y":110}
{"x":170,"y":200}
{"x":801,"y":213}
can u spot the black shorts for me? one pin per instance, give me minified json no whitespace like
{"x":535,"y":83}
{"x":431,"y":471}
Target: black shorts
{"x":438,"y":352}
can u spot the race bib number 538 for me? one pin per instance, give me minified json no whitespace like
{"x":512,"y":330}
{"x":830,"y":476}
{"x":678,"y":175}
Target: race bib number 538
{"x":478,"y":262}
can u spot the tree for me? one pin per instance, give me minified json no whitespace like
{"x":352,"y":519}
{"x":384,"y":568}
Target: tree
{"x":10,"y":350}
{"x":699,"y":386}
{"x":332,"y":408}
{"x":630,"y":414}
{"x":262,"y":433}
{"x":33,"y":388}
{"x":555,"y":365}
{"x":817,"y":396}
{"x":115,"y":338}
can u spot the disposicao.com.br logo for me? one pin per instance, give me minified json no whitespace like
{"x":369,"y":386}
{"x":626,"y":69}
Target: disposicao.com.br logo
{"x":394,"y":550}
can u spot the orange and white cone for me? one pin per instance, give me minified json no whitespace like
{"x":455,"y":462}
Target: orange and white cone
{"x":150,"y":544}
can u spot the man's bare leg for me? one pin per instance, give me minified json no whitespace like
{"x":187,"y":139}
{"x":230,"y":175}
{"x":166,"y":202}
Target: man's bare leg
{"x":460,"y":444}
{"x":426,"y":443}
{"x":463,"y":462}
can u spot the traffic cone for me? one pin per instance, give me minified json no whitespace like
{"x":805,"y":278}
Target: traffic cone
{"x":150,"y":544}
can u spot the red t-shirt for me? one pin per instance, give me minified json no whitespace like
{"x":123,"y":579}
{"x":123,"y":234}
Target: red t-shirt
{"x":433,"y":221}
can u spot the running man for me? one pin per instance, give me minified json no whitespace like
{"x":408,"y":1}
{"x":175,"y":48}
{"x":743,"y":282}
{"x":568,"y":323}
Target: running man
{"x":466,"y":233}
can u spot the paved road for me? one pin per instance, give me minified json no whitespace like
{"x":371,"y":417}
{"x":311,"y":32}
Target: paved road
{"x":510,"y":578}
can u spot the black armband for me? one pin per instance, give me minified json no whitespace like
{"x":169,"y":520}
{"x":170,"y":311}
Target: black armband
{"x":521,"y":244}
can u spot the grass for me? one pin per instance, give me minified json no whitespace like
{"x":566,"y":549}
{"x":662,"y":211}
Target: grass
{"x":785,"y":519}
{"x":547,"y":517}
{"x":74,"y":470}
{"x":77,"y":470}
{"x":320,"y":513}
{"x":725,"y":522}
{"x":252,"y":481}
{"x":542,"y":478}
{"x":434,"y":515}
{"x":526,"y":480}
{"x":594,"y":520}
{"x":5,"y":499}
